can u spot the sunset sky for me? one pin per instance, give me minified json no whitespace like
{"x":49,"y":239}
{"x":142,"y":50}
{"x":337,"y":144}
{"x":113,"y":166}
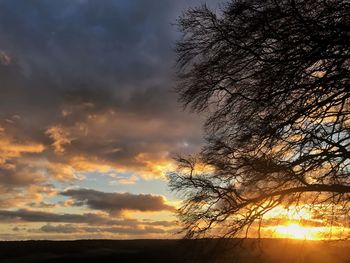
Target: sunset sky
{"x":89,"y":120}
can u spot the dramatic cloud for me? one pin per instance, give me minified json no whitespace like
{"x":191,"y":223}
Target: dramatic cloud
{"x":115,"y":203}
{"x":93,"y":82}
{"x":87,"y":89}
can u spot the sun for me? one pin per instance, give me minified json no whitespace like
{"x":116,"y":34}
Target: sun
{"x":297,"y":231}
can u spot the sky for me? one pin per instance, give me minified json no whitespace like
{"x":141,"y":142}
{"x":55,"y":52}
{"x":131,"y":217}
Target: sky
{"x":89,"y":120}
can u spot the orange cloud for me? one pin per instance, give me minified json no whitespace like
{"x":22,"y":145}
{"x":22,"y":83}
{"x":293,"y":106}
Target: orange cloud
{"x":60,"y":137}
{"x":10,"y":149}
{"x":154,"y":166}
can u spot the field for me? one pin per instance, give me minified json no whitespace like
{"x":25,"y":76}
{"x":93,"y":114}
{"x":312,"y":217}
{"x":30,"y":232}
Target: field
{"x":170,"y":251}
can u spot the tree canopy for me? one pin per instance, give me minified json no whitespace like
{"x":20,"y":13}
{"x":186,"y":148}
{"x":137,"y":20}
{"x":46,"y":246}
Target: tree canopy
{"x":273,"y":79}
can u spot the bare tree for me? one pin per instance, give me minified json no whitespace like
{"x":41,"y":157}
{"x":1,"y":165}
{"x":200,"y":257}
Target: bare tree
{"x":273,"y":78}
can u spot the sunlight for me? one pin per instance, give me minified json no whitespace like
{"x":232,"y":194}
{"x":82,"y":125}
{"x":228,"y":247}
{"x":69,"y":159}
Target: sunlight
{"x":298,"y":222}
{"x":290,"y":213}
{"x":297,"y":231}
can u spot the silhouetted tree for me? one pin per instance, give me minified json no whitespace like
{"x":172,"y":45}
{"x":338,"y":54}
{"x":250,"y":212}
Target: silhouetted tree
{"x":273,"y":78}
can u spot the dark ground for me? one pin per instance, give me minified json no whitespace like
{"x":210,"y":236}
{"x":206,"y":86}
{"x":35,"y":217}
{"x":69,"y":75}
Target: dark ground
{"x":170,"y":251}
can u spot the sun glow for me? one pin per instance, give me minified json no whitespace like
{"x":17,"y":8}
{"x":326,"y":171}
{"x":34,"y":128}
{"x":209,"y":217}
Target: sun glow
{"x":295,"y":231}
{"x":298,"y":232}
{"x":298,"y":223}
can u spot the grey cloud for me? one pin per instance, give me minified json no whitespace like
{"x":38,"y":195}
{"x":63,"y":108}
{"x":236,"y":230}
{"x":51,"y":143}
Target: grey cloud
{"x":103,"y":71}
{"x":42,"y":204}
{"x":88,"y":51}
{"x":21,"y":176}
{"x":87,"y":59}
{"x":24,"y":215}
{"x":115,"y":203}
{"x":66,"y":229}
{"x":83,"y":224}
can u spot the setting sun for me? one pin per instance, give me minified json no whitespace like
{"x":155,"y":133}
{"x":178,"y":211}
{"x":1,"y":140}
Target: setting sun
{"x":297,"y":231}
{"x":297,"y":222}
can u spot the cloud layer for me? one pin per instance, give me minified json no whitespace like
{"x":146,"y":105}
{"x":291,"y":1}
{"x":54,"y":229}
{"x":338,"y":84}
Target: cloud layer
{"x":87,"y":89}
{"x":88,"y":86}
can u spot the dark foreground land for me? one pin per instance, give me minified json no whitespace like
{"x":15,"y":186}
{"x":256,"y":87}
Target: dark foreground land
{"x":267,"y":250}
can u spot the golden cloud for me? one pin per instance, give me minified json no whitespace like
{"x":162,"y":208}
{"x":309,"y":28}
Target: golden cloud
{"x":60,"y":137}
{"x":10,"y":149}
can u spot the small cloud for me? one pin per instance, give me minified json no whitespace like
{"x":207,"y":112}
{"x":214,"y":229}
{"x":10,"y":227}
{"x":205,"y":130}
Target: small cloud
{"x":130,"y":180}
{"x":17,"y":229}
{"x":60,"y":138}
{"x":5,"y":59}
{"x":42,"y":204}
{"x":65,"y":229}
